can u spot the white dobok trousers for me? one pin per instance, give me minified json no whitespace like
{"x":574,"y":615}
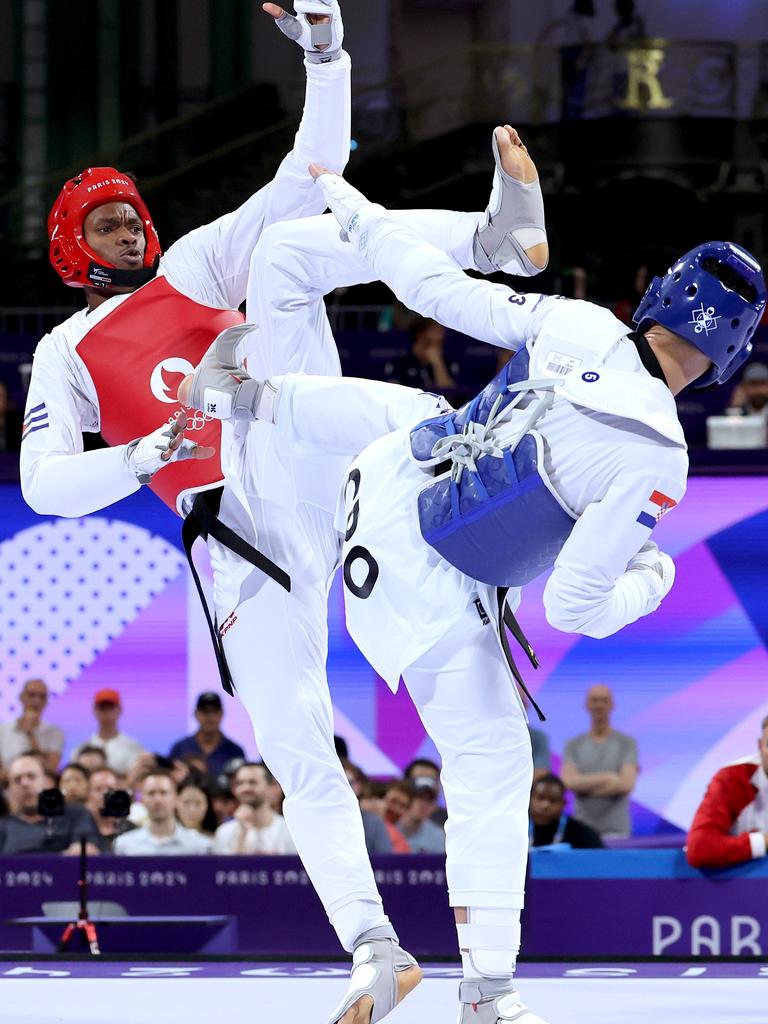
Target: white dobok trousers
{"x":282,"y":497}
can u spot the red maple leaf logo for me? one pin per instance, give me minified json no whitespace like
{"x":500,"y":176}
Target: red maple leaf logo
{"x":171,"y":381}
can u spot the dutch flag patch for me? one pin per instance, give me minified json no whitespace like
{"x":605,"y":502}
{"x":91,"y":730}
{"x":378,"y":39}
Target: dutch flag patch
{"x":655,"y":507}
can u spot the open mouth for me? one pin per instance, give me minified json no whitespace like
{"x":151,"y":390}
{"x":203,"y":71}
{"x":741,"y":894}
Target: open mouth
{"x":131,"y":256}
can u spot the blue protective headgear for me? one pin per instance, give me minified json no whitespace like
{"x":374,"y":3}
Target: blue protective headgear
{"x":713,"y":297}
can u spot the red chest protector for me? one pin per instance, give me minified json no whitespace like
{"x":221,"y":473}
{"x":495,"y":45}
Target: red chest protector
{"x":137,"y":356}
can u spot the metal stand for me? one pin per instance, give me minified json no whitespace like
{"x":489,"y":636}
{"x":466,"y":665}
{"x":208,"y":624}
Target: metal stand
{"x":83,"y":926}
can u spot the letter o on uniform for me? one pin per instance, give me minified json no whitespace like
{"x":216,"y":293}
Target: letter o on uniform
{"x":361,"y":590}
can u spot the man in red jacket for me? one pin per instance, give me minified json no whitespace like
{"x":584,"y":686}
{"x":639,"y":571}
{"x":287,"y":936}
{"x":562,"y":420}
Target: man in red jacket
{"x":731,"y":824}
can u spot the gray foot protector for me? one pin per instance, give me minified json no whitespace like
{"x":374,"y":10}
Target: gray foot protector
{"x":514,"y":222}
{"x":222,"y":389}
{"x":376,"y":962}
{"x":493,"y":1001}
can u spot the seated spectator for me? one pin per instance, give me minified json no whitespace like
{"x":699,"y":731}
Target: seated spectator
{"x":731,"y":824}
{"x":423,"y":768}
{"x":209,"y":741}
{"x":254,"y":828}
{"x":74,"y":784}
{"x":26,"y":831}
{"x":398,"y":798}
{"x":750,"y":396}
{"x":223,"y":802}
{"x":121,"y":750}
{"x":600,"y":767}
{"x":29,"y":733}
{"x":91,"y":758}
{"x":195,"y":810}
{"x":161,"y":834}
{"x":550,"y":825}
{"x":376,"y":836}
{"x":424,"y":367}
{"x":102,"y":782}
{"x":422,"y":834}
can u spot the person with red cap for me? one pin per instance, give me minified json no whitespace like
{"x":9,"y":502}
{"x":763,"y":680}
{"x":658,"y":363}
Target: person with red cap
{"x":119,"y":749}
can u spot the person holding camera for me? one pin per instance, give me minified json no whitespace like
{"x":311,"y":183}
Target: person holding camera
{"x":109,"y":806}
{"x":40,"y":821}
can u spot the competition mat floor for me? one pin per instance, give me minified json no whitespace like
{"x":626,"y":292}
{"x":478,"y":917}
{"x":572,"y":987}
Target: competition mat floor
{"x":88,"y":992}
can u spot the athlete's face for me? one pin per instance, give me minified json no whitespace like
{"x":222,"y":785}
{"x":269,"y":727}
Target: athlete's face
{"x":116,"y":234}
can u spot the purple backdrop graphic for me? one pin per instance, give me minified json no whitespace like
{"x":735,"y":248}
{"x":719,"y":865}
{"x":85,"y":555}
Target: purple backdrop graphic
{"x":107,"y":601}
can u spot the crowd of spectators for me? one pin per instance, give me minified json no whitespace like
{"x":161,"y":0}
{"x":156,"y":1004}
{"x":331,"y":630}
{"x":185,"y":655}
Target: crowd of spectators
{"x":206,"y":797}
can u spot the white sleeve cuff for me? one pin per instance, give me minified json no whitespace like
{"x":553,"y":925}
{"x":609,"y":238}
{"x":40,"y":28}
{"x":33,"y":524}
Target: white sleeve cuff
{"x":757,"y":842}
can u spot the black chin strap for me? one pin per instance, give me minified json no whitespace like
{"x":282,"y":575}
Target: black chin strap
{"x":102,"y":276}
{"x":648,"y":356}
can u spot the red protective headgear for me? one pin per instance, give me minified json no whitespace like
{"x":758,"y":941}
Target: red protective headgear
{"x":71,"y":257}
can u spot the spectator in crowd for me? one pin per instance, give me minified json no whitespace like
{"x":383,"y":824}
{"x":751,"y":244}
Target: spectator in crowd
{"x":254,"y":828}
{"x":629,"y":26}
{"x":542,"y":759}
{"x":195,"y":810}
{"x":423,"y":768}
{"x":424,"y":366}
{"x":91,"y":758}
{"x":74,"y":784}
{"x":750,"y":396}
{"x":26,"y":831}
{"x":423,"y":835}
{"x":209,"y":741}
{"x":121,"y":750}
{"x":731,"y":823}
{"x":600,"y":767}
{"x":102,"y":782}
{"x":342,"y":748}
{"x":398,"y":798}
{"x":550,"y":825}
{"x":10,"y":422}
{"x":29,"y":733}
{"x":162,"y":833}
{"x":223,"y":802}
{"x":376,"y":836}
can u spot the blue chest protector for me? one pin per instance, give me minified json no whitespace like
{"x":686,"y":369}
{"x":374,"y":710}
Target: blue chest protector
{"x":494,"y":516}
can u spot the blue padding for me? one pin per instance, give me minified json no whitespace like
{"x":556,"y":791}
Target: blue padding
{"x":631,"y":864}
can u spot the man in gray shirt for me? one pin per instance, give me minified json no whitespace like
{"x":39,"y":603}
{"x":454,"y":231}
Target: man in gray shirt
{"x":600,"y":766}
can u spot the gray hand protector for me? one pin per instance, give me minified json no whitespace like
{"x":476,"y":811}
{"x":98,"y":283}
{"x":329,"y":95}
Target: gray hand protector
{"x":144,"y":455}
{"x":514,"y":222}
{"x":220,"y":387}
{"x":310,"y":37}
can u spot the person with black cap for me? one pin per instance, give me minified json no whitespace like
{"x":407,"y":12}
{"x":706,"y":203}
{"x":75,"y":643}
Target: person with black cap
{"x":209,"y":741}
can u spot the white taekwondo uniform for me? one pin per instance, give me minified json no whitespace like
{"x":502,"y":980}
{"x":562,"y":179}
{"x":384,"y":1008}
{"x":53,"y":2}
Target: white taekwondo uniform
{"x":614,"y":452}
{"x":116,"y":369}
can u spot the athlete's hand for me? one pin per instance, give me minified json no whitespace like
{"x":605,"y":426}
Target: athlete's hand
{"x":317,"y":27}
{"x":650,"y":559}
{"x":165,"y":445}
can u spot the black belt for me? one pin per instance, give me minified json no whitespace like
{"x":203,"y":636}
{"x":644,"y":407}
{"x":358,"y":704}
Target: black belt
{"x":506,"y":618}
{"x":203,"y":521}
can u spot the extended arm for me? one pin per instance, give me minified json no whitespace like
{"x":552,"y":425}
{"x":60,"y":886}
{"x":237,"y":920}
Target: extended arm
{"x":211,"y":263}
{"x":608,"y":573}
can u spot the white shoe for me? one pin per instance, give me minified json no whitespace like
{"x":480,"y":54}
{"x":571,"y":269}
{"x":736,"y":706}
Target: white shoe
{"x":487,"y":1001}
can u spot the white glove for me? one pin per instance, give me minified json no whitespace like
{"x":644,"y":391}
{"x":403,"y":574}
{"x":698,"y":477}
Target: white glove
{"x":321,"y":43}
{"x":348,"y":205}
{"x":650,"y":559}
{"x":147,"y":455}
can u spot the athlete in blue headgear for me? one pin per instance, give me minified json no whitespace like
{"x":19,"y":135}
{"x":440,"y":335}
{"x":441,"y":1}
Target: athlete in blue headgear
{"x":566,"y":460}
